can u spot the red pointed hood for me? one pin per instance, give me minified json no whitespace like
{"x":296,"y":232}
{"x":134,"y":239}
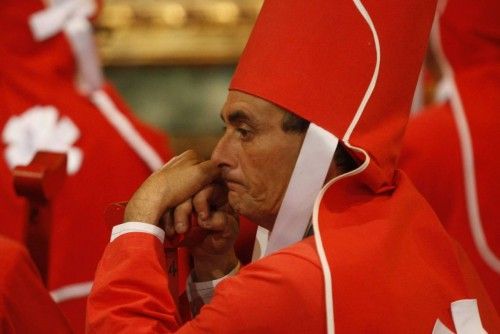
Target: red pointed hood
{"x":20,"y":52}
{"x":473,"y":38}
{"x":350,"y":71}
{"x":49,"y":41}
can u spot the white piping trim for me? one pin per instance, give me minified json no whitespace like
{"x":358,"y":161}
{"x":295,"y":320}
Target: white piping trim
{"x":330,"y":322}
{"x":467,"y":150}
{"x":126,"y":130}
{"x":373,"y":81}
{"x":71,"y":291}
{"x":418,"y":96}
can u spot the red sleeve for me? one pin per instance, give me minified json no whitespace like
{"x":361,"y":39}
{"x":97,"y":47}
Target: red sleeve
{"x":25,"y":304}
{"x":130,"y":294}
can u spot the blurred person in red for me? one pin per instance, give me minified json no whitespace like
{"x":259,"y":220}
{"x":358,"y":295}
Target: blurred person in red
{"x":314,"y":121}
{"x":447,"y":150}
{"x":25,"y":304}
{"x":54,"y":97}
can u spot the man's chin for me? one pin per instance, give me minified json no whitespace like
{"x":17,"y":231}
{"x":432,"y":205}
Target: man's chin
{"x":234,"y":201}
{"x":238,"y":204}
{"x":242,"y":207}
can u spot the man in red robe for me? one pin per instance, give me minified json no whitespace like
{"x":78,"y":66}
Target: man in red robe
{"x":314,"y":121}
{"x":447,"y":149}
{"x":53,"y":97}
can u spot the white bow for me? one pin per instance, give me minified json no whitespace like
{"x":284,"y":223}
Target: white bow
{"x":71,"y":16}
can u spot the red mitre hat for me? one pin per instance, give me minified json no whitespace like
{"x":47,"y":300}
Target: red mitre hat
{"x":350,"y":70}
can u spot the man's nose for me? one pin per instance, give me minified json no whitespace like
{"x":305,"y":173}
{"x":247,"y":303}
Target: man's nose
{"x":223,"y":154}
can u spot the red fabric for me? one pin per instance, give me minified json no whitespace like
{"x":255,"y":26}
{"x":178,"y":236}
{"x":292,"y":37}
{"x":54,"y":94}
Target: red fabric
{"x":43,"y":74}
{"x":25,"y":305}
{"x":391,"y":250}
{"x":432,"y":156}
{"x":246,"y":239}
{"x":268,"y":295}
{"x":79,"y":231}
{"x":444,"y":186}
{"x":470,"y":33}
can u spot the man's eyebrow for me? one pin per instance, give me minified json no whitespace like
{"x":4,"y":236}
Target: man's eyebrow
{"x":238,"y":116}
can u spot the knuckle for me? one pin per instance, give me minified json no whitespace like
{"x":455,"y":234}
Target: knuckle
{"x":191,"y":154}
{"x":219,"y":219}
{"x":200,"y":202}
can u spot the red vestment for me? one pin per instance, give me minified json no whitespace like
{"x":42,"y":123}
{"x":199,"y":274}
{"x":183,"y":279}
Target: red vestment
{"x":450,"y":145}
{"x":34,"y":76}
{"x":25,"y":305}
{"x":393,"y":280}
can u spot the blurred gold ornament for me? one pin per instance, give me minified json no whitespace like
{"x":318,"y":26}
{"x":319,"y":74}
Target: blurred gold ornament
{"x":131,"y":32}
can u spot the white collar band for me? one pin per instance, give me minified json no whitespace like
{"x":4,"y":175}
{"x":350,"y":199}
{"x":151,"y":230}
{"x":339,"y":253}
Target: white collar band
{"x":307,"y":179}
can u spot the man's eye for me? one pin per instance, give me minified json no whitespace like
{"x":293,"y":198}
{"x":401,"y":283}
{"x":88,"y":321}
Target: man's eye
{"x":243,"y":132}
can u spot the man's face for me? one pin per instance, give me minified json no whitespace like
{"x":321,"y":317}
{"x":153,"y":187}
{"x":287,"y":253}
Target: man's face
{"x":256,"y":156}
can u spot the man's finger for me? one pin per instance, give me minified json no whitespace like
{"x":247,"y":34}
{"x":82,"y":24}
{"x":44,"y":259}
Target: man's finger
{"x":170,"y":186}
{"x":182,"y":215}
{"x":184,"y":158}
{"x":201,"y":202}
{"x":187,"y":181}
{"x":209,"y":170}
{"x":216,"y":222}
{"x":168,"y":223}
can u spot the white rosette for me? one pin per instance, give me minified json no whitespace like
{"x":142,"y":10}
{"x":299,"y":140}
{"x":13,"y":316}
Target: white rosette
{"x":40,"y":128}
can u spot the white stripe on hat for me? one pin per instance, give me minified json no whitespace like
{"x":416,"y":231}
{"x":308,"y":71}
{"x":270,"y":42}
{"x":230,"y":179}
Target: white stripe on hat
{"x":362,"y":10}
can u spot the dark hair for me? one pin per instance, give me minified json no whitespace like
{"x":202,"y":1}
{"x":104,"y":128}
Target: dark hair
{"x":294,"y":123}
{"x":342,"y":159}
